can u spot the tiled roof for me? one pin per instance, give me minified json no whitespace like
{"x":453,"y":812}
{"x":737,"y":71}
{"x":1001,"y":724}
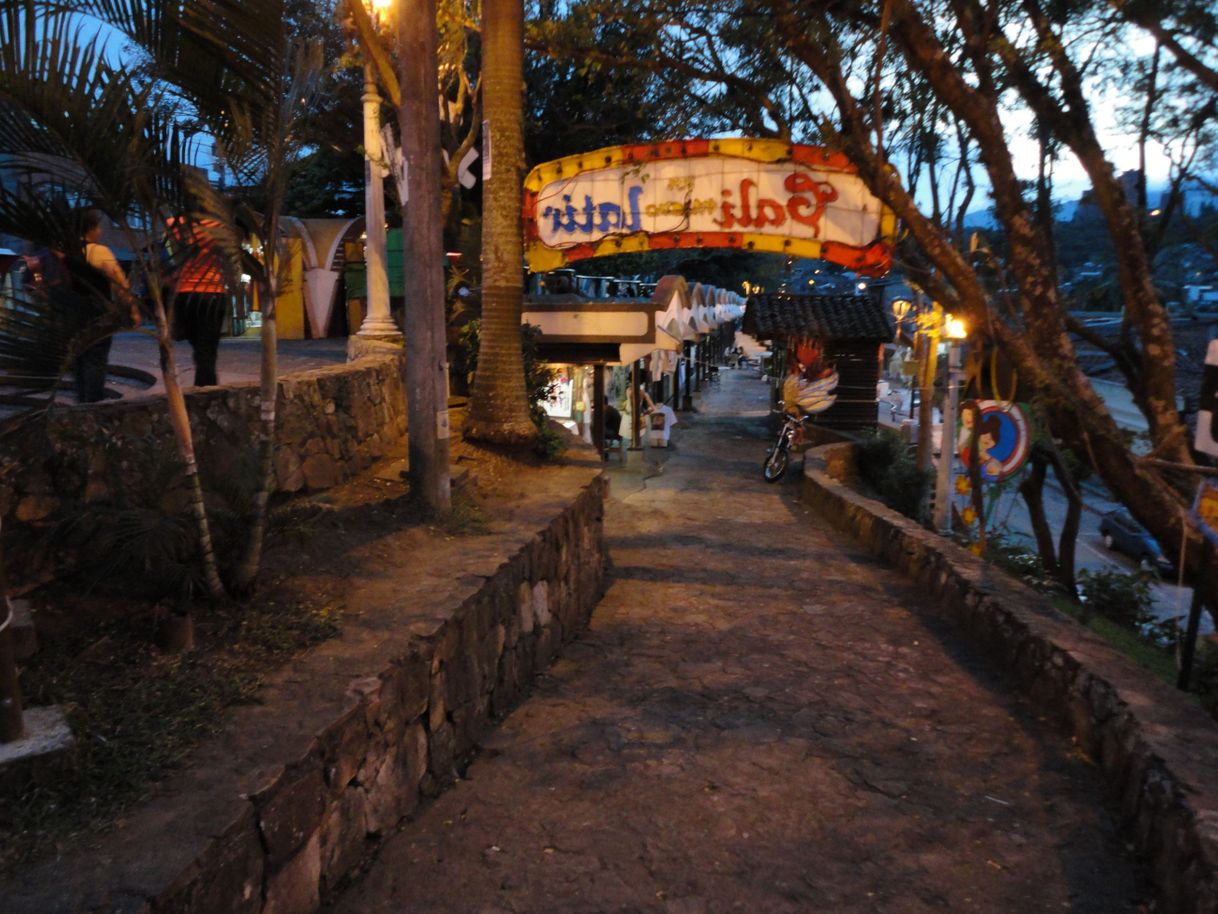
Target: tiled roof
{"x":825,"y":317}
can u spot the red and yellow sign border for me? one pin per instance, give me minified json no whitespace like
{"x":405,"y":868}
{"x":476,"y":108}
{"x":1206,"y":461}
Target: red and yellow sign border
{"x":871,"y":259}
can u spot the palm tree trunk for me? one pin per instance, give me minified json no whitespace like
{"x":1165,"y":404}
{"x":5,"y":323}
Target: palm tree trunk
{"x":179,"y":419}
{"x":499,"y":406}
{"x":268,"y":398}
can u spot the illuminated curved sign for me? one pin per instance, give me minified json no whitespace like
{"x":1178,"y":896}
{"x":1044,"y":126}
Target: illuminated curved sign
{"x":756,"y":195}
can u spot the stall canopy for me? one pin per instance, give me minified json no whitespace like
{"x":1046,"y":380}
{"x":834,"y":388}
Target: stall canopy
{"x":579,"y":330}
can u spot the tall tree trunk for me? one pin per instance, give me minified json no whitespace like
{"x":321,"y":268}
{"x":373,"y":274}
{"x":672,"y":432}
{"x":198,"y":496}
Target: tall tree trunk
{"x":499,"y":406}
{"x":1032,"y":489}
{"x":423,"y":241}
{"x":268,"y":398}
{"x":1068,"y":538}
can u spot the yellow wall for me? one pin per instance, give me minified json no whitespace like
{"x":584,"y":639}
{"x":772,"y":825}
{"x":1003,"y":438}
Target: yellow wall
{"x":289,"y":306}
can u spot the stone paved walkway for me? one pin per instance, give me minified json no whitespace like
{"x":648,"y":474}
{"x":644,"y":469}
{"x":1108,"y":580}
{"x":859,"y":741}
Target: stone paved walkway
{"x":760,"y":719}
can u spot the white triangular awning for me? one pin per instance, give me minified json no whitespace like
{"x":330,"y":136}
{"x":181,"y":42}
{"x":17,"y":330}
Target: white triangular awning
{"x":631,"y":352}
{"x":319,"y":286}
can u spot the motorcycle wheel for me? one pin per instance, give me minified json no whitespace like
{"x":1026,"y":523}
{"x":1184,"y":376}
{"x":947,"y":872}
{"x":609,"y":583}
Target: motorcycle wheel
{"x":775,"y":463}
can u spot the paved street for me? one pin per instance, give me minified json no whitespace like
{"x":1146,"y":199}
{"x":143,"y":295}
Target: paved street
{"x":761,"y":718}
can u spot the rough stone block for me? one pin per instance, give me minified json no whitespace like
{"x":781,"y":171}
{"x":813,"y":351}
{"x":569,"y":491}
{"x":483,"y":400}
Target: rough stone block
{"x":541,"y":603}
{"x":441,"y":755}
{"x":226,"y":877}
{"x":295,"y":887}
{"x":291,"y":814}
{"x":436,"y":706}
{"x":341,"y":748}
{"x":412,"y":685}
{"x":524,"y":600}
{"x":343,"y":837}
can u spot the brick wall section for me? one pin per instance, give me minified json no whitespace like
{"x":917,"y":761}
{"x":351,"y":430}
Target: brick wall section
{"x":1156,"y":750}
{"x":272,"y":814}
{"x":332,"y":423}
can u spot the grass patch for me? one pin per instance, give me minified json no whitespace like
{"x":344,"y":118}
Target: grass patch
{"x":467,"y":517}
{"x":137,"y":713}
{"x":1154,"y":659}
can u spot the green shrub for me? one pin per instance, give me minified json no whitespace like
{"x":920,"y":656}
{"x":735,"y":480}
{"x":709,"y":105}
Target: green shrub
{"x":1124,"y":598}
{"x":1015,"y":558}
{"x":887,"y":464}
{"x":551,"y":442}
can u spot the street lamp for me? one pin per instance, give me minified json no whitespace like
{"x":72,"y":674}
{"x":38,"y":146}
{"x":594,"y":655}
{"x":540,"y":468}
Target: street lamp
{"x":378,"y":322}
{"x":956,"y":332}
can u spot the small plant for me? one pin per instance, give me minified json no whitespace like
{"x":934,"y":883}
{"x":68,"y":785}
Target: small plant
{"x":887,"y":464}
{"x":550,"y":442}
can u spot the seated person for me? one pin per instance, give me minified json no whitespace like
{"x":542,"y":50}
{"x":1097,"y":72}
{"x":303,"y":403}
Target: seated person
{"x":613,"y":425}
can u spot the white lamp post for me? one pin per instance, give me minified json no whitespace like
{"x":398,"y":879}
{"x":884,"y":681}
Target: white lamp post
{"x":956,"y":332}
{"x":378,"y":323}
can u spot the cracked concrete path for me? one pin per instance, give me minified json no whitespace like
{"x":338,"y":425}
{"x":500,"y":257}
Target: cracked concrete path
{"x":761,"y":718}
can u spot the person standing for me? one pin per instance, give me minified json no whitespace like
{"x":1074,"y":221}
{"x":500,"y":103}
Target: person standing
{"x":96,"y":276}
{"x":202,"y":299}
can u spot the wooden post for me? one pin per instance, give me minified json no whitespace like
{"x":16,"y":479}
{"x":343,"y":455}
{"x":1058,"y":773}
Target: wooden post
{"x":423,"y":242}
{"x":1189,"y":648}
{"x":687,"y":400}
{"x":598,"y":409}
{"x":636,"y":420}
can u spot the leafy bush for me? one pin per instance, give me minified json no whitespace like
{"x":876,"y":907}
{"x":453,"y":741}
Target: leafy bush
{"x":1124,"y":598}
{"x":887,"y":464}
{"x":1015,"y":558}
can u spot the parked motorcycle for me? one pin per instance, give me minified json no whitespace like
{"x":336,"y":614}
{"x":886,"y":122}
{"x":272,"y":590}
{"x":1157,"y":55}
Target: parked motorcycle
{"x":779,"y":454}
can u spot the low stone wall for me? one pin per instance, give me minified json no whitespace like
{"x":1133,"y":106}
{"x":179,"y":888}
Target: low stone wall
{"x":332,"y":423}
{"x":342,"y":746}
{"x":1157,"y":751}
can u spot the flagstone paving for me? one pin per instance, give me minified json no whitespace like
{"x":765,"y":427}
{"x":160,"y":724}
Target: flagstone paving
{"x":761,"y":718}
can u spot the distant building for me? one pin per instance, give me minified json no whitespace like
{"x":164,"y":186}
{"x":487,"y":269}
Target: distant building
{"x":1202,"y":296}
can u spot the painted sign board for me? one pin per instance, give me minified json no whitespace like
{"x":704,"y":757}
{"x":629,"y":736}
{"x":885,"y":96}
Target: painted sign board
{"x":1003,"y":438}
{"x":755,"y":195}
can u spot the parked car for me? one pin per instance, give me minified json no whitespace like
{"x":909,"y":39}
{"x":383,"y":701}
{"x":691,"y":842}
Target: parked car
{"x":1124,"y":534}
